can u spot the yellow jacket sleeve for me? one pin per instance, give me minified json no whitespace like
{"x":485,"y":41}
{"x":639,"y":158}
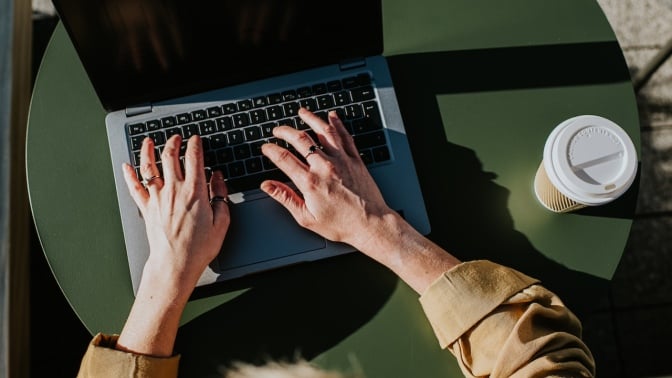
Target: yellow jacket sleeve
{"x":101,"y":360}
{"x":501,"y":323}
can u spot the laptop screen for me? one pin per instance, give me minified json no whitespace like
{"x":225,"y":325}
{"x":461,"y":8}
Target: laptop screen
{"x":144,"y":51}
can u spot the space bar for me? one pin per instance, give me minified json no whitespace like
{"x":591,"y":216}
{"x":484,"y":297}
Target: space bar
{"x":245,"y":183}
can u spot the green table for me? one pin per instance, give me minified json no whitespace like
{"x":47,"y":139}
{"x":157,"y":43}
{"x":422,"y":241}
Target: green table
{"x":480,"y":84}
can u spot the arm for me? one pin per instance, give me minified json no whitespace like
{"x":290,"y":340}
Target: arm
{"x":498,"y":322}
{"x":185,"y":233}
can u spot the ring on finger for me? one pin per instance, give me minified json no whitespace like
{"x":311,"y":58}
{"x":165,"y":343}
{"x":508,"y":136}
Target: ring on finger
{"x":218,"y":199}
{"x":312,"y":149}
{"x":147,"y":181}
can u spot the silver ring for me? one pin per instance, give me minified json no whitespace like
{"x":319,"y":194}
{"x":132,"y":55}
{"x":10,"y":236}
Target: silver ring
{"x":218,"y":199}
{"x":146,"y":182}
{"x":312,"y":149}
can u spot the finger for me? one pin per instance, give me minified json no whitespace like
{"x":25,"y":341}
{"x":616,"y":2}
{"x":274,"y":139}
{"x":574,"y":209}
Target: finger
{"x":172,"y":171}
{"x":300,"y":140}
{"x":148,"y":169}
{"x":220,"y":209}
{"x":289,"y":199}
{"x":347,"y":143}
{"x":194,"y":171}
{"x":330,"y":138}
{"x":295,"y":169}
{"x":135,"y":187}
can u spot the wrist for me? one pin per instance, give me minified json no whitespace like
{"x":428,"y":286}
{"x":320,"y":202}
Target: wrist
{"x":394,"y":243}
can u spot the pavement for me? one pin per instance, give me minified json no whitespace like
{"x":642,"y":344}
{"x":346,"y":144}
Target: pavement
{"x":631,"y":336}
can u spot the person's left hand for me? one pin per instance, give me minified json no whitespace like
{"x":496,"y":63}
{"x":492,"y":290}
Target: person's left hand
{"x":185,"y":231}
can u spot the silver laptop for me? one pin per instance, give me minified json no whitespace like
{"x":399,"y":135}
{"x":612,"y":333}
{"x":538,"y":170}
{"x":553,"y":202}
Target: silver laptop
{"x":230,"y":71}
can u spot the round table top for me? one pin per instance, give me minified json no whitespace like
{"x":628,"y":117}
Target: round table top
{"x":480,"y":87}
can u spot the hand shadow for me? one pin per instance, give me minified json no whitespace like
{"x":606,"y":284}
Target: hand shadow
{"x":468,"y":211}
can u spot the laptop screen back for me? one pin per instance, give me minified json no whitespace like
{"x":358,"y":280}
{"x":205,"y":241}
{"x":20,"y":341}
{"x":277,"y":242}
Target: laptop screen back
{"x":144,"y":51}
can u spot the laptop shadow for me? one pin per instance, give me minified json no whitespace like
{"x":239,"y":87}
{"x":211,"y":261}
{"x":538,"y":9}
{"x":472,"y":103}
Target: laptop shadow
{"x":299,"y":311}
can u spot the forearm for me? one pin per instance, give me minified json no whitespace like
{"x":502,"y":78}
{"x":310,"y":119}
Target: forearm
{"x":391,"y":241}
{"x":151,"y":326}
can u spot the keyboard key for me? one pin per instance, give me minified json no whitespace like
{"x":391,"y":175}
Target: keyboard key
{"x":342,"y":98}
{"x":237,"y":168}
{"x":253,"y":165}
{"x":207,"y":127}
{"x":275,"y":112}
{"x":308,"y":103}
{"x":168,"y":121}
{"x":363,"y":79}
{"x":224,"y":123}
{"x":257,"y":116}
{"x":320,"y":88}
{"x":235,"y":137}
{"x":304,"y":92}
{"x":241,"y":120}
{"x":252,"y":133}
{"x":183,"y":118}
{"x":159,"y":137}
{"x":334,"y":85}
{"x":259,"y":102}
{"x":325,"y":101}
{"x":136,"y":142}
{"x":367,"y":156}
{"x":350,"y":82}
{"x":224,"y":155}
{"x":274,"y":98}
{"x":154,"y":124}
{"x":189,"y":130}
{"x":353,"y":111}
{"x":172,"y":131}
{"x":256,"y":148}
{"x":199,"y":115}
{"x":229,"y":108}
{"x":289,"y":95}
{"x":242,"y":151}
{"x":381,"y":154}
{"x":218,"y":141}
{"x":376,"y":138}
{"x":291,"y":109}
{"x":362,"y":93}
{"x":136,"y":128}
{"x":244,"y":105}
{"x":214,"y":111}
{"x":267,"y":129}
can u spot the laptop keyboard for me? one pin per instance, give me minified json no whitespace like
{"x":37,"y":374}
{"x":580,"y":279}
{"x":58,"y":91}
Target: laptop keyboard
{"x":233,"y":133}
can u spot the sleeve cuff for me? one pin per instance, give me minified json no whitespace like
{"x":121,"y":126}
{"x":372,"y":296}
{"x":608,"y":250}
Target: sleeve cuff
{"x":464,"y":295}
{"x":102,"y":360}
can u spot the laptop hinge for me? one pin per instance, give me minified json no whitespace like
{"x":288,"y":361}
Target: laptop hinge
{"x":137,"y":110}
{"x":352,"y":64}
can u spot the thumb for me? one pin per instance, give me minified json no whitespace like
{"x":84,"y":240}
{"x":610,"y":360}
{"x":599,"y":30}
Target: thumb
{"x":288,"y":198}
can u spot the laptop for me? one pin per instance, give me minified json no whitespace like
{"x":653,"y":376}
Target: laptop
{"x":230,"y":71}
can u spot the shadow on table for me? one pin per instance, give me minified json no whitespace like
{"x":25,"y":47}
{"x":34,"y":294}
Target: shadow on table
{"x":307,"y":311}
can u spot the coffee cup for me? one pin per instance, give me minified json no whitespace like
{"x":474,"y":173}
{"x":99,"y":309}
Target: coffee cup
{"x":588,"y":161}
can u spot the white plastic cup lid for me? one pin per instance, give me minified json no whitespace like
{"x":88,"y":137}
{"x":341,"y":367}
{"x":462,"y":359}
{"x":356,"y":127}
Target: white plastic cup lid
{"x":590,"y":159}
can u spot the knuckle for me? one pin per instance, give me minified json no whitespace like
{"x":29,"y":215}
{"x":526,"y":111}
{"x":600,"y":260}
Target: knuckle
{"x":304,"y":137}
{"x":146,"y":168}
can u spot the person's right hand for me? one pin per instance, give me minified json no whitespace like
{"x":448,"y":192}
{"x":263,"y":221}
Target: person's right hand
{"x":338,"y":197}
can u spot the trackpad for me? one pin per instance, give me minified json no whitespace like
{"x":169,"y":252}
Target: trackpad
{"x":263,"y":230}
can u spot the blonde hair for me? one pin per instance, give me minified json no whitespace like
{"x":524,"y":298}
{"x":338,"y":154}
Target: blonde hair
{"x":299,"y":369}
